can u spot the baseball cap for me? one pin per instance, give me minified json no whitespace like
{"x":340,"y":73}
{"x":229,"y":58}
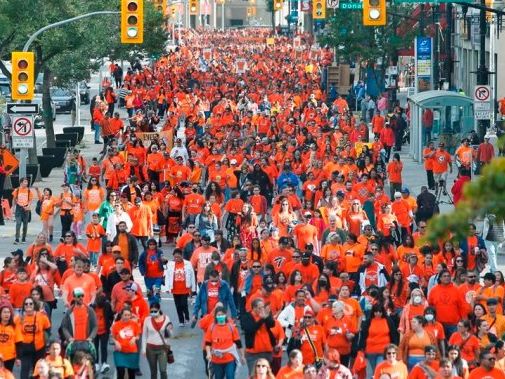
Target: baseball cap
{"x":233,"y":161}
{"x":492,"y":301}
{"x":116,"y":248}
{"x":78,"y":291}
{"x":398,"y":194}
{"x":307,"y":214}
{"x":405,"y":190}
{"x":132,"y":287}
{"x":308,"y":312}
{"x":333,"y":355}
{"x":124,"y":271}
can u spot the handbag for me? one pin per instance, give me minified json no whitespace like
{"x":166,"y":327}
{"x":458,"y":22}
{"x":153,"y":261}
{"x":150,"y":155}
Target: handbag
{"x":38,"y":207}
{"x":168,"y":351}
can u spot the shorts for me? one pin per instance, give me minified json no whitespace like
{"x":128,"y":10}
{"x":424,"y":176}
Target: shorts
{"x":440,"y":176}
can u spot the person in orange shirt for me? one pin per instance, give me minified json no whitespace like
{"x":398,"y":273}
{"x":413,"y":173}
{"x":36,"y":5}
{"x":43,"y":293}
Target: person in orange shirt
{"x":94,"y":232}
{"x":486,"y":368}
{"x":22,"y":198}
{"x":125,"y":333}
{"x":294,"y":367}
{"x":429,"y":156}
{"x":20,"y":289}
{"x":391,"y":367}
{"x":394,"y":170}
{"x":142,"y":218}
{"x":79,"y":279}
{"x":340,"y":332}
{"x":47,"y":207}
{"x":306,"y":234}
{"x":31,"y":327}
{"x":192,"y":205}
{"x":8,"y":333}
{"x":464,"y":158}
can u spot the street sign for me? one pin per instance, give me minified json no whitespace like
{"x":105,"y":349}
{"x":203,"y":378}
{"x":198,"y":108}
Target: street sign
{"x":482,"y":105}
{"x":22,"y":132}
{"x":22,"y":108}
{"x":351,"y":6}
{"x":10,"y":161}
{"x":333,"y":4}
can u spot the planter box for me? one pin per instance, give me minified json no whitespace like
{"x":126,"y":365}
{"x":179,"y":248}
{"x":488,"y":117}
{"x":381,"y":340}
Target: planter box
{"x":63,"y":143}
{"x":58,"y":154}
{"x":46,"y":163}
{"x":75,"y":129}
{"x":72,"y":137}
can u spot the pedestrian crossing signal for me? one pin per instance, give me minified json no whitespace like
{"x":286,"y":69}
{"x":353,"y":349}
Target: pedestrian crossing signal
{"x":277,"y":5}
{"x":23,"y":75}
{"x":319,"y":9}
{"x":132,"y":21}
{"x":374,"y":12}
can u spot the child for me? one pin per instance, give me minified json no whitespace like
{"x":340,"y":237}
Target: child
{"x":8,"y":274}
{"x":20,"y":289}
{"x":94,"y":232}
{"x":77,"y":220}
{"x":94,"y":170}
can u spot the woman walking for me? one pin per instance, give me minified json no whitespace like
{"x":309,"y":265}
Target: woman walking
{"x":125,"y":334}
{"x":157,"y":329}
{"x":180,"y":279}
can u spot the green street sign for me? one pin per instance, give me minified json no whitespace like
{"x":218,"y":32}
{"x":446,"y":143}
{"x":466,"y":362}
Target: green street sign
{"x":350,"y":6}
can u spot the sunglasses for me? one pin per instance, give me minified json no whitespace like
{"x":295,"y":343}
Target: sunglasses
{"x":256,"y":266}
{"x":78,"y":296}
{"x":391,"y":353}
{"x":30,"y":303}
{"x":68,"y":236}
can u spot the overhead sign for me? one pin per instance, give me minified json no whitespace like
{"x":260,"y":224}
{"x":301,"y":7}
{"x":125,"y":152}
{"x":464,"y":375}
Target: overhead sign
{"x":482,"y":104}
{"x":22,"y":133}
{"x":22,"y":108}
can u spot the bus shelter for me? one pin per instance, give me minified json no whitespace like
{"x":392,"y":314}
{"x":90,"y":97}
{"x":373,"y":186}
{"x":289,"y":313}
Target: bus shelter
{"x":452,"y":119}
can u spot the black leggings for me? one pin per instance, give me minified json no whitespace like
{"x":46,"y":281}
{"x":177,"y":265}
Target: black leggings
{"x":181,"y":305}
{"x":66,"y":221}
{"x":28,"y":362}
{"x":100,"y":342}
{"x":122,"y":370}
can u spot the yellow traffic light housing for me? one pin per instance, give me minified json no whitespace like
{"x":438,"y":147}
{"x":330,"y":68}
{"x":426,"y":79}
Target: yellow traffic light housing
{"x":319,"y":9}
{"x":161,"y":6}
{"x":173,"y":11}
{"x":23,"y":75}
{"x":132,"y":21}
{"x":194,"y":5}
{"x":278,"y":5}
{"x":374,"y":12}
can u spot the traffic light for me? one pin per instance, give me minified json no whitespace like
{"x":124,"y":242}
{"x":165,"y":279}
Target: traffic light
{"x":319,"y":9}
{"x":23,"y":75}
{"x":374,"y":12}
{"x":278,"y":5}
{"x":173,"y":11}
{"x":132,"y":21}
{"x":161,"y":6}
{"x":193,"y":7}
{"x":251,"y":11}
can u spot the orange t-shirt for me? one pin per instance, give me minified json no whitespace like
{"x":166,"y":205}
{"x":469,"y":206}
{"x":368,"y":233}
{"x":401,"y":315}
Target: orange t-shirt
{"x":397,"y":370}
{"x":179,"y":285}
{"x":222,"y":337}
{"x":18,"y":292}
{"x":123,"y":332}
{"x":30,"y":329}
{"x":94,"y":232}
{"x":8,"y":342}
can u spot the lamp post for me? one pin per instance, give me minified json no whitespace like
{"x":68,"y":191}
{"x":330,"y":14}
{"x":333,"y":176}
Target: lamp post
{"x":482,"y":70}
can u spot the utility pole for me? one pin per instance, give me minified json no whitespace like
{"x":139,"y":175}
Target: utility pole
{"x":435,"y":10}
{"x":482,"y":71}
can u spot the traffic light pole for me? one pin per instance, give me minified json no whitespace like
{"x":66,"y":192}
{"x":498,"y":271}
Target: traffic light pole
{"x":482,"y":71}
{"x":63,"y":22}
{"x":23,"y":155}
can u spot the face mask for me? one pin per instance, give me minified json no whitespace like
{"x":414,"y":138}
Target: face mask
{"x":429,"y":317}
{"x":155,"y":313}
{"x":322,"y":282}
{"x":221,"y":319}
{"x":417,"y":299}
{"x":215,"y":262}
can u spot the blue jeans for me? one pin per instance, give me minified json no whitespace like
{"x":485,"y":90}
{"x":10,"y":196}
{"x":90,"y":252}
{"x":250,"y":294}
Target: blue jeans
{"x":153,"y":286}
{"x":373,"y":361}
{"x":224,"y":370}
{"x":97,"y":132}
{"x":413,"y":360}
{"x":491,"y":247}
{"x":449,"y":329}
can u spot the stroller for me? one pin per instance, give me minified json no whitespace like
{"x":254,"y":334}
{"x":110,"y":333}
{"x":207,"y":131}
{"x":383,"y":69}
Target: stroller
{"x":86,"y":347}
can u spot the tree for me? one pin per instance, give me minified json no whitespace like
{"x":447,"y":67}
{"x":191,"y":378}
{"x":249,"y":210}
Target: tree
{"x":484,"y":195}
{"x":356,"y":43}
{"x":68,"y":52}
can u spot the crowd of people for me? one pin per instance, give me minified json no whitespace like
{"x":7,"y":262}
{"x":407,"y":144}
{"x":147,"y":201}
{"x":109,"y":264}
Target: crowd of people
{"x":277,"y":220}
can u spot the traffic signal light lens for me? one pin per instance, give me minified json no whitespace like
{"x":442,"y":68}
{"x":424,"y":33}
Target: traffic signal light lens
{"x":132,"y":20}
{"x":132,"y":32}
{"x":23,"y":76}
{"x":22,"y":89}
{"x":374,"y":14}
{"x":22,"y":64}
{"x":132,"y":6}
{"x":374,"y":3}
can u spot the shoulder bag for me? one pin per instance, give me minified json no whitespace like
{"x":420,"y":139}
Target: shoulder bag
{"x":168,"y":350}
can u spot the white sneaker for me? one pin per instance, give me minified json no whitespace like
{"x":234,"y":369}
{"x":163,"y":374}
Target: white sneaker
{"x":105,"y":368}
{"x":97,"y":367}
